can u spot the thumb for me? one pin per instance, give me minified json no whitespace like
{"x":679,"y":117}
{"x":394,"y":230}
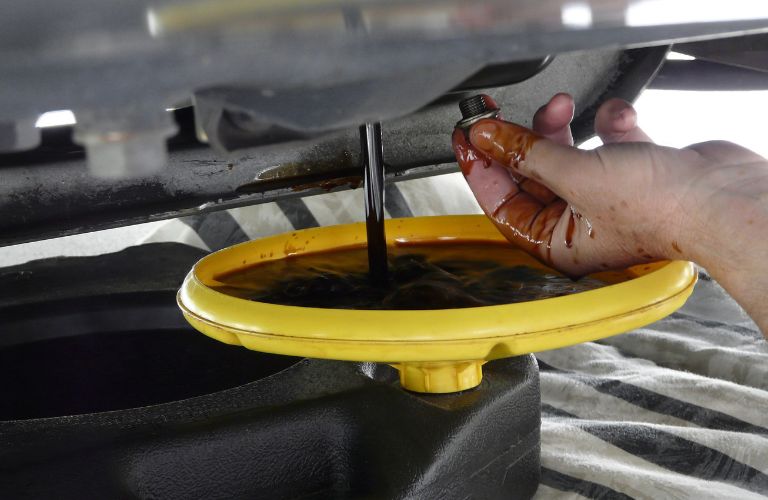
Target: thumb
{"x":558,"y":167}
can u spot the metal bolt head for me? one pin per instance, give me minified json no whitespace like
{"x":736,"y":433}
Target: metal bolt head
{"x":136,"y":156}
{"x":473,"y":109}
{"x":125,"y":143}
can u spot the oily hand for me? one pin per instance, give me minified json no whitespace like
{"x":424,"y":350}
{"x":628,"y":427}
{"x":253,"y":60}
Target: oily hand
{"x":624,"y":203}
{"x":553,"y":216}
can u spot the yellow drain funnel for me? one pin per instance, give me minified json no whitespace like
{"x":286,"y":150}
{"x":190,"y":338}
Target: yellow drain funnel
{"x":436,"y":351}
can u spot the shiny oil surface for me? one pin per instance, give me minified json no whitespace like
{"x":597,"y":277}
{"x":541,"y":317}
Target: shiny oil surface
{"x":422,"y":276}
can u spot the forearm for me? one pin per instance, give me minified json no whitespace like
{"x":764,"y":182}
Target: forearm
{"x":733,"y":247}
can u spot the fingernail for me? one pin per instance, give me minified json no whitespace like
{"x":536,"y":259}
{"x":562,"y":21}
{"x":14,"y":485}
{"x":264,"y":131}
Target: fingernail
{"x":623,"y":118}
{"x":483,"y":135}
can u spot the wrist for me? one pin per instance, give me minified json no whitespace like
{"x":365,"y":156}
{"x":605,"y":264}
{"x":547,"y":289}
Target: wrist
{"x":732,"y":247}
{"x":730,"y":236}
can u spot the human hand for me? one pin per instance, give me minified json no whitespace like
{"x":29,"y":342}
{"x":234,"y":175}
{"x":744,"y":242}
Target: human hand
{"x":548,"y":217}
{"x":635,"y":201}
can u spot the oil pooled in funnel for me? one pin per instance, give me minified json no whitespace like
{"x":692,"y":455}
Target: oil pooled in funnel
{"x":429,"y":276}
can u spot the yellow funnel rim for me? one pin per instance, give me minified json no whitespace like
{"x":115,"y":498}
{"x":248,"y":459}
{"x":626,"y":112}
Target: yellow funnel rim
{"x":426,"y":337}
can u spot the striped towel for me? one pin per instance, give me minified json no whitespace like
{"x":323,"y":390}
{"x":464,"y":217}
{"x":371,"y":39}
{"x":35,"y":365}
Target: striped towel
{"x":678,"y":409}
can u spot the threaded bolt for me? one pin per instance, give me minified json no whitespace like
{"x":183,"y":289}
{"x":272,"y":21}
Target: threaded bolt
{"x":472,"y":106}
{"x":474,"y":109}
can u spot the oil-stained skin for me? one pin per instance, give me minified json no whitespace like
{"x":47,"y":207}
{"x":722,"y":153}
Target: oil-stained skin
{"x":528,"y":214}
